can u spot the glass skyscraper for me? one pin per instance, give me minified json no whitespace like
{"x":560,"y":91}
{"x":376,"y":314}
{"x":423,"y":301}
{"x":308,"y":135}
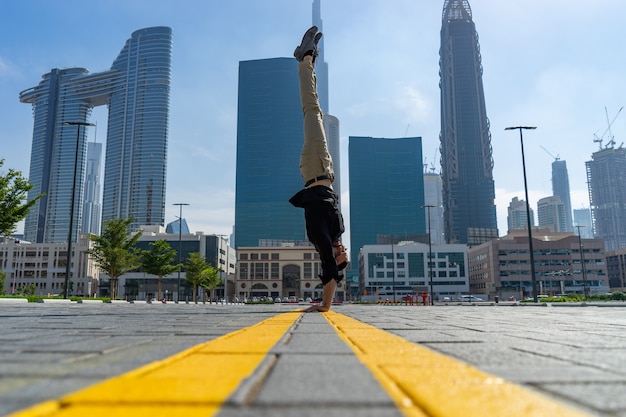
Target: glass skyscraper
{"x":560,"y":188}
{"x":136,"y":90}
{"x":270,"y":136}
{"x":269,"y":140}
{"x":91,"y":201}
{"x":466,"y":155}
{"x":606,"y":179}
{"x":386,"y":191}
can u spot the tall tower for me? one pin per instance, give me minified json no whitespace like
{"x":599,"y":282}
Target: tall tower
{"x":386,"y":191}
{"x":91,"y":201}
{"x":560,"y":188}
{"x":136,"y":90}
{"x":331,"y":123}
{"x":269,"y":140}
{"x":270,"y":136}
{"x":606,"y":179}
{"x":433,"y":197}
{"x":466,"y":155}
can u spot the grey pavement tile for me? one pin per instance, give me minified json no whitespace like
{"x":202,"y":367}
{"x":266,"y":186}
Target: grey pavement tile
{"x":440,"y":336}
{"x":309,"y":409}
{"x":532,"y":373}
{"x":41,"y":390}
{"x":313,"y":343}
{"x":322,"y":380}
{"x":602,"y":397}
{"x":613,"y":360}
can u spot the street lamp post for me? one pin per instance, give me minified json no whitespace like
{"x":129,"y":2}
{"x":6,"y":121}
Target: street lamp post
{"x":582,"y":261}
{"x":530,"y":233}
{"x":180,"y":254}
{"x":393,"y":272}
{"x":430,"y":254}
{"x":72,"y":200}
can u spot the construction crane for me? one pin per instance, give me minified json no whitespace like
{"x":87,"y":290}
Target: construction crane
{"x":556,"y":158}
{"x":599,"y":139}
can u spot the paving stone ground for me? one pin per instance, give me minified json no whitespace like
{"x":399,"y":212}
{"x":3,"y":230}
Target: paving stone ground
{"x":574,"y":354}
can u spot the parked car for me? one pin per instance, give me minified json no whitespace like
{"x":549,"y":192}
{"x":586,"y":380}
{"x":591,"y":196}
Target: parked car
{"x":470,"y":298}
{"x":309,"y":300}
{"x":277,"y":300}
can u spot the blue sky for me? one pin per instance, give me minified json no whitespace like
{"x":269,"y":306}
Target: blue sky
{"x":552,"y":64}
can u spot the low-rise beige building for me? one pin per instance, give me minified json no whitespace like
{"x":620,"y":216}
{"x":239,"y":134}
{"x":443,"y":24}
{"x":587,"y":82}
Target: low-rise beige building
{"x":43,"y":265}
{"x":501,"y":267}
{"x":278,"y":272}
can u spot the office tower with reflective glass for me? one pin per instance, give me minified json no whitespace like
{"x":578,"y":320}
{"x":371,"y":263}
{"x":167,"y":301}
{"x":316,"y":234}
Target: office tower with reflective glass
{"x":560,"y":188}
{"x":270,"y":136}
{"x":466,"y":155}
{"x":386,"y":192}
{"x":269,"y":140}
{"x":136,"y":90}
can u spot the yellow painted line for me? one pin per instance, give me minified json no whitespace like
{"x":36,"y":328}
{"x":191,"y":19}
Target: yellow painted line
{"x":425,"y":383}
{"x":195,"y":382}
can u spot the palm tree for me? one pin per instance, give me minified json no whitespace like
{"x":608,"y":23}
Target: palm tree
{"x":115,"y":252}
{"x":159,"y":261}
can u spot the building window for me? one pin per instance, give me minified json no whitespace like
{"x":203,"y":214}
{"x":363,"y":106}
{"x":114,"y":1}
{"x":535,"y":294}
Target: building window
{"x":243,"y":270}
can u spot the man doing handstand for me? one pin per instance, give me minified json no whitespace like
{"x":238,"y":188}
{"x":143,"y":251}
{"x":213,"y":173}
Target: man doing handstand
{"x":324,"y":222}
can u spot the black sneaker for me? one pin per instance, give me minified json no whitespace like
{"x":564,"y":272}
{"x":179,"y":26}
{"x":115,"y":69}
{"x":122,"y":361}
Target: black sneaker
{"x":308,"y":46}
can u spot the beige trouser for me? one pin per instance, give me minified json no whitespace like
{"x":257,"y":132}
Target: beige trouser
{"x":315,"y":160}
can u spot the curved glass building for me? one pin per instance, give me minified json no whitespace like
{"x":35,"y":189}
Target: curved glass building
{"x":136,"y":90}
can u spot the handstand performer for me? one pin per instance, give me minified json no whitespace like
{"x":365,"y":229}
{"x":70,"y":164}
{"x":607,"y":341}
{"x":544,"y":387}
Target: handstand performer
{"x":324,"y":222}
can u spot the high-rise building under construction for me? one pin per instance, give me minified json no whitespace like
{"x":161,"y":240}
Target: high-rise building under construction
{"x":606,"y":179}
{"x":466,"y":155}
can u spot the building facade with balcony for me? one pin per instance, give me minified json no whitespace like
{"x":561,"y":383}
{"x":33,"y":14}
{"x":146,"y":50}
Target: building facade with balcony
{"x":501,"y":267}
{"x":389,"y":272}
{"x":281,"y":271}
{"x":43,"y":265}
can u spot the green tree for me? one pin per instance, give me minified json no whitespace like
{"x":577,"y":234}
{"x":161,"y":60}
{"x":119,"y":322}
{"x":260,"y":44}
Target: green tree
{"x":70,"y":289}
{"x":3,"y":281}
{"x":27,"y":290}
{"x":198,"y":273}
{"x":14,"y":205}
{"x":115,"y":252}
{"x":159,"y":261}
{"x":211,"y":281}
